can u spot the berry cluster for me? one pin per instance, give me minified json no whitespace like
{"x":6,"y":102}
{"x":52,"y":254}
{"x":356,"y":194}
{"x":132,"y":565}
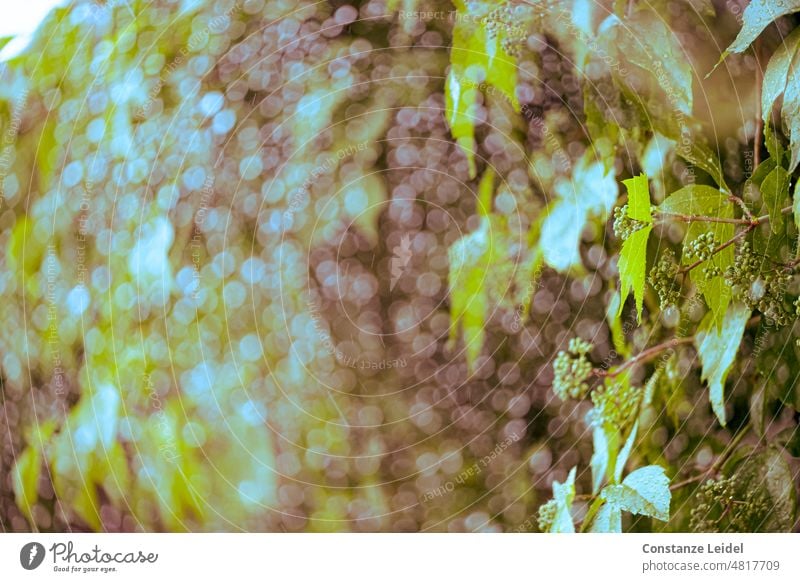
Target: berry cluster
{"x":571,"y":369}
{"x":503,"y":22}
{"x":615,"y":404}
{"x":701,"y":248}
{"x":711,"y":271}
{"x":724,"y":505}
{"x":758,"y":289}
{"x":662,"y":278}
{"x":624,"y":225}
{"x":547,"y":514}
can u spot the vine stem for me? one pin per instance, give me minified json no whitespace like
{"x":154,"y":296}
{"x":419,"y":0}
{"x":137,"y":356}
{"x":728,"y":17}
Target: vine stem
{"x":751,"y":225}
{"x":724,"y":456}
{"x":750,"y":222}
{"x":643,"y":356}
{"x":698,"y":262}
{"x":593,"y":509}
{"x":693,"y":218}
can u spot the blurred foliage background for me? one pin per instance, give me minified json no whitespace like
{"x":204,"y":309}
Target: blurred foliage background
{"x":227,"y":231}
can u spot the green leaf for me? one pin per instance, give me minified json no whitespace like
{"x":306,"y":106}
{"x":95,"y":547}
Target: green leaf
{"x":762,"y":171}
{"x":717,"y":350}
{"x":475,"y":58}
{"x":633,"y":257}
{"x":614,"y":323}
{"x":619,"y":466}
{"x":633,"y":267}
{"x":698,"y":200}
{"x":638,"y":198}
{"x":777,"y":72}
{"x":768,"y":470}
{"x":648,"y":43}
{"x":485,"y":192}
{"x":28,"y":468}
{"x":775,"y":191}
{"x":757,"y":16}
{"x":460,"y":102}
{"x":789,"y":438}
{"x":471,"y":260}
{"x":608,"y":519}
{"x":643,"y":492}
{"x":603,"y":130}
{"x":591,"y":191}
{"x":791,"y":111}
{"x":468,"y":305}
{"x":796,"y":205}
{"x":606,"y":444}
{"x":695,"y":200}
{"x":564,"y":494}
{"x":691,"y":145}
{"x":25,"y":479}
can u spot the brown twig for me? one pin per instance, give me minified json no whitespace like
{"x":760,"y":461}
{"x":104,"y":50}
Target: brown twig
{"x":643,"y":356}
{"x":723,"y":246}
{"x":750,"y":227}
{"x":693,"y":218}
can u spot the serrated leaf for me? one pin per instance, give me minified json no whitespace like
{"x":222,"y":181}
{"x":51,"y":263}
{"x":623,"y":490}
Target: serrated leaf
{"x":638,"y":198}
{"x":564,"y":494}
{"x":775,"y":192}
{"x":696,"y":200}
{"x":608,"y":519}
{"x":757,"y":16}
{"x":643,"y":492}
{"x":633,"y":257}
{"x":717,"y":350}
{"x":633,"y":268}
